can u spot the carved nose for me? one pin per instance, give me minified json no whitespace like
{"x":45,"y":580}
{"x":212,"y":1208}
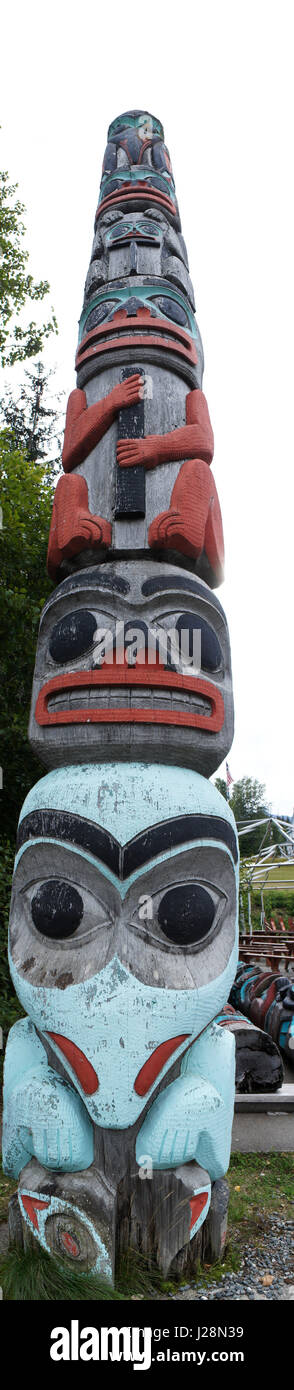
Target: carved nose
{"x":132,"y":305}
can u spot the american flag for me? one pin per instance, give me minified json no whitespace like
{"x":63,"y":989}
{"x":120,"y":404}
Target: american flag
{"x":229,"y":778}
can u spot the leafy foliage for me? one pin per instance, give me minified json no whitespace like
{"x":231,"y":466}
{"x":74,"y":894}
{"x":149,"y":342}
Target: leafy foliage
{"x":26,"y":499}
{"x":17,"y":287}
{"x":247,"y":801}
{"x":33,"y":424}
{"x":221,"y":786}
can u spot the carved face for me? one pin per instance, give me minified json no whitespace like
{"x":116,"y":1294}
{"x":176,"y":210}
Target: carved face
{"x":133,"y":663}
{"x":151,"y":302}
{"x":136,"y":160}
{"x":123,"y":931}
{"x":155,"y":318}
{"x":137,"y":243}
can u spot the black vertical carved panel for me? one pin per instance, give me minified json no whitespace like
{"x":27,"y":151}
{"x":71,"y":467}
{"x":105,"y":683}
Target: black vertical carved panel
{"x":130,"y":482}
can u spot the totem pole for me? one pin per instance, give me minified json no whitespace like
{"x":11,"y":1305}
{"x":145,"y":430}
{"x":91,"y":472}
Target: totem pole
{"x":267,"y":998}
{"x":119,"y":1083}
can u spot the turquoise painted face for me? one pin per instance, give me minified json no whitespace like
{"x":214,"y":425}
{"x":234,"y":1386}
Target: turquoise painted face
{"x":156,"y":302}
{"x":136,"y":228}
{"x":163,"y":321}
{"x":123,"y":933}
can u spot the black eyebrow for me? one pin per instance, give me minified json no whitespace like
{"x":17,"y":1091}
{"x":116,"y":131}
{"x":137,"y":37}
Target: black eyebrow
{"x":170,"y":834}
{"x":159,"y":585}
{"x":76,"y":830}
{"x":86,"y":579}
{"x":123,"y":860}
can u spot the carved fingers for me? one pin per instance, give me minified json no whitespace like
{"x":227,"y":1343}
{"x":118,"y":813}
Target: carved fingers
{"x":45,"y":1119}
{"x":128,"y":392}
{"x":132,"y":452}
{"x":189,"y":1121}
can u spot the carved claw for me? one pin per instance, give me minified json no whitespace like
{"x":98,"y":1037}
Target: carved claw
{"x":73,"y":527}
{"x":193,"y":523}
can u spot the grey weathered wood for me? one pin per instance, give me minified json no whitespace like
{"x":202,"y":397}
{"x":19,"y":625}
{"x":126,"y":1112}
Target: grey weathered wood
{"x":149,"y":1218}
{"x":15,"y":1223}
{"x":95,"y":589}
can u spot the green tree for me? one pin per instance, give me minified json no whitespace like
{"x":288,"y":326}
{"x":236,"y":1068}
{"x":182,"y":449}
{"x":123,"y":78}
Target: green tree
{"x":17,"y":287}
{"x":34,"y":426}
{"x":26,"y":494}
{"x":248,"y":803}
{"x":26,"y":500}
{"x":248,"y":799}
{"x":221,"y":786}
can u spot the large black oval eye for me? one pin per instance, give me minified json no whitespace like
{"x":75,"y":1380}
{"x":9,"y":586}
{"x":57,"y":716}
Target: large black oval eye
{"x":57,"y":908}
{"x":72,"y":636}
{"x":186,"y":914}
{"x":172,"y":310}
{"x":211,"y":656}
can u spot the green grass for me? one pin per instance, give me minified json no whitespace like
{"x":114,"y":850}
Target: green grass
{"x":33,"y":1276}
{"x":7,"y":1187}
{"x":264,"y":1183}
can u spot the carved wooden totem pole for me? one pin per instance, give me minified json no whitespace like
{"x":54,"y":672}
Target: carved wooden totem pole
{"x":119,"y":1083}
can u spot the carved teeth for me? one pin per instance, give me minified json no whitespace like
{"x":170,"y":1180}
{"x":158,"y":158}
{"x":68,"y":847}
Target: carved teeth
{"x":144,"y":697}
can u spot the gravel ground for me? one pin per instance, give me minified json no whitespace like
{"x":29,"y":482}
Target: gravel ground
{"x":274,"y":1257}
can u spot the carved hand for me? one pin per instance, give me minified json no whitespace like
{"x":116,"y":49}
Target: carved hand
{"x":45,"y":1119}
{"x":131,"y":452}
{"x":127,"y":392}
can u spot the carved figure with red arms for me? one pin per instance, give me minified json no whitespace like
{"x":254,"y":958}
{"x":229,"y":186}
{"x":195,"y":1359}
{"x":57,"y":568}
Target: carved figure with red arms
{"x":192,"y":523}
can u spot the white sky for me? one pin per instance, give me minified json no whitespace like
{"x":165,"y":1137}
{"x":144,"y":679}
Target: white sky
{"x":219,"y":74}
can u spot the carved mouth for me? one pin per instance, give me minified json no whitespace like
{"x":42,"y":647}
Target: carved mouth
{"x":131,"y":695}
{"x":125,"y":330}
{"x":142,"y":192}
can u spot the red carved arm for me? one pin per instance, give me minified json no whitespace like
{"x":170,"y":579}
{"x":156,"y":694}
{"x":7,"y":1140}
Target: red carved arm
{"x":193,"y":440}
{"x":85,"y":425}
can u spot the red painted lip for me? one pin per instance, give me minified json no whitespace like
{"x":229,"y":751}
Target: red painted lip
{"x":125,"y":330}
{"x":156,"y":1062}
{"x":79,"y":1063}
{"x":123,"y":676}
{"x":142,"y":192}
